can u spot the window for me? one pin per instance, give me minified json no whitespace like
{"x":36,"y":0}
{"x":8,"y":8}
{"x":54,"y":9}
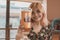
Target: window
{"x":14,"y":20}
{"x":2,"y":19}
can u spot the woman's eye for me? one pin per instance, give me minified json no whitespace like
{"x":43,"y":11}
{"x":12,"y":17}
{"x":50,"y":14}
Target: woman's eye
{"x":32,"y":12}
{"x":38,"y":11}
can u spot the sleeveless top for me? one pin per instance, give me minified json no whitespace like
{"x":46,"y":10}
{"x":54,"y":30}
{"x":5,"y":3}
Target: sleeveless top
{"x":43,"y":34}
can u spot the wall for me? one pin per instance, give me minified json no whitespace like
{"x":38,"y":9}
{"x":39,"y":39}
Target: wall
{"x":53,"y":9}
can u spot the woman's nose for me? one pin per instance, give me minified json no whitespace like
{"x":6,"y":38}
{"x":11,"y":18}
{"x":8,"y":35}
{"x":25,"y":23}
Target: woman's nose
{"x":36,"y":14}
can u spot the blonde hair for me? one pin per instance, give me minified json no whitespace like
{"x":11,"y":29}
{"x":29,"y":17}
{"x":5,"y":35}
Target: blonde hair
{"x":44,"y":21}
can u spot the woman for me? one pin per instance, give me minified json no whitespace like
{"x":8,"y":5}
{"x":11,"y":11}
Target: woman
{"x":39,"y":24}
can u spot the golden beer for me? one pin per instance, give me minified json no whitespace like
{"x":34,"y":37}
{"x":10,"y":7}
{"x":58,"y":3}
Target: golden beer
{"x":26,"y":19}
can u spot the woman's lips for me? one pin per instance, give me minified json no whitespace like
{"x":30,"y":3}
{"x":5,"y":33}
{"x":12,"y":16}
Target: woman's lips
{"x":37,"y":17}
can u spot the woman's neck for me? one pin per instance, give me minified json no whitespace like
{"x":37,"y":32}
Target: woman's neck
{"x":37,"y":23}
{"x":37,"y":27}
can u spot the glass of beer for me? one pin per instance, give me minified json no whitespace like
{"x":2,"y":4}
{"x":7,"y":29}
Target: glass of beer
{"x":26,"y":18}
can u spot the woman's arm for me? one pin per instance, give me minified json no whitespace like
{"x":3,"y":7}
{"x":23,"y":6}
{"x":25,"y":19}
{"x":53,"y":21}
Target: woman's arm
{"x":19,"y":33}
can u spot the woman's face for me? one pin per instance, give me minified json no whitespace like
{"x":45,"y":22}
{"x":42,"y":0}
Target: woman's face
{"x":36,"y":15}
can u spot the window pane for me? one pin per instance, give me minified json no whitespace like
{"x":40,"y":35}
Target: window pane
{"x":13,"y":32}
{"x":2,"y":33}
{"x":2,"y":22}
{"x":12,"y":39}
{"x":14,"y":22}
{"x":2,"y":39}
{"x":2,"y":13}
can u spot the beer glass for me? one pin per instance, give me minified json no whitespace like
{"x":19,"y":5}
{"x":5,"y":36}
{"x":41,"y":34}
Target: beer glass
{"x":26,"y":18}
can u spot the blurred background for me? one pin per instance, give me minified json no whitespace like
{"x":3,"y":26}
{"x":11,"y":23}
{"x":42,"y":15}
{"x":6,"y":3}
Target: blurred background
{"x":51,"y":7}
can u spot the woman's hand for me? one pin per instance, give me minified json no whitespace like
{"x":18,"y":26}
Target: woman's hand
{"x":22,"y":34}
